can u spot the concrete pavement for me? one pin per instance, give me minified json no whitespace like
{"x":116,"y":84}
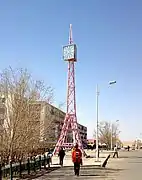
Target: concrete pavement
{"x":89,"y":170}
{"x":127,"y":167}
{"x":86,"y":173}
{"x":86,"y":161}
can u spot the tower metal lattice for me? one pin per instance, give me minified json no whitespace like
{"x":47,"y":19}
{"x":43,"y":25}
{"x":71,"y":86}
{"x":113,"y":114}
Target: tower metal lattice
{"x":70,"y":120}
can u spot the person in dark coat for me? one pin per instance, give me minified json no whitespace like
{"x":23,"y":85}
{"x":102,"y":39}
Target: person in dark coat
{"x":61,"y":156}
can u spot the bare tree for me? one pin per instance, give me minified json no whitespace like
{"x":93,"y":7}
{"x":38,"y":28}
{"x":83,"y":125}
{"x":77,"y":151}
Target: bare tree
{"x":21,"y":127}
{"x":106,"y":130}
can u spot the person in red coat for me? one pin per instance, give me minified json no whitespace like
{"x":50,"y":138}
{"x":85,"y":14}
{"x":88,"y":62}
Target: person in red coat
{"x":77,"y":159}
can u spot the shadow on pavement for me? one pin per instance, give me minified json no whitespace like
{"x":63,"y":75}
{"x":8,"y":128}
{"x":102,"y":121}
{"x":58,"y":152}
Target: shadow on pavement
{"x":130,"y":157}
{"x":86,"y":172}
{"x":135,"y":162}
{"x":39,"y":173}
{"x":89,"y":175}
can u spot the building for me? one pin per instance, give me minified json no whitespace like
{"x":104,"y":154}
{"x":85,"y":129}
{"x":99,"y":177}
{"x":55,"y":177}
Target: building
{"x":51,"y":120}
{"x":45,"y":119}
{"x":128,"y":143}
{"x":134,"y":144}
{"x":91,"y":141}
{"x":83,"y":133}
{"x":82,"y":130}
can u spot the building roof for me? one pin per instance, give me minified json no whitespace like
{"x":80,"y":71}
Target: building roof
{"x":55,"y":109}
{"x":91,"y":140}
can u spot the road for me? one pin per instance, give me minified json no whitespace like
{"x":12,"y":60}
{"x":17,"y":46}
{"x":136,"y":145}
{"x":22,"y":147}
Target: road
{"x":127,"y":167}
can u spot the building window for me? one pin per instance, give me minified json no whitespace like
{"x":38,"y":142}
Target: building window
{"x":52,"y":111}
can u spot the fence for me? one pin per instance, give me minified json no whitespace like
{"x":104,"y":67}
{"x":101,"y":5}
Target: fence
{"x":23,"y":168}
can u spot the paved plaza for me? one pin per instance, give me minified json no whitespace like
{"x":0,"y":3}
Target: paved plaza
{"x":127,"y":167}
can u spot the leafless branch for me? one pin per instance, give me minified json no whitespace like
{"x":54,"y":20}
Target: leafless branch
{"x":21,"y":129}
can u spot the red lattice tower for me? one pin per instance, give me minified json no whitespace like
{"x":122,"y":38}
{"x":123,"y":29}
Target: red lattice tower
{"x":70,"y":120}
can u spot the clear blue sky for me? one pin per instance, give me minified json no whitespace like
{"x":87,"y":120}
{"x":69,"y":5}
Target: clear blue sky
{"x":109,"y":39}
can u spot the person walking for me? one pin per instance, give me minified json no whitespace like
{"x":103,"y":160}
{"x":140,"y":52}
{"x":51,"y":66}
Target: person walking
{"x":77,"y":159}
{"x":61,"y":156}
{"x":115,"y":152}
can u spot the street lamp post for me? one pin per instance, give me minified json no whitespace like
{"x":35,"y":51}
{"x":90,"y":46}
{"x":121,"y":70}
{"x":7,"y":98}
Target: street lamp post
{"x":112,"y":134}
{"x":97,"y":123}
{"x":97,"y":118}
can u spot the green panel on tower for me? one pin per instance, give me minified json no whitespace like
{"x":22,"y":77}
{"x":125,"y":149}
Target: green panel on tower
{"x":70,"y":52}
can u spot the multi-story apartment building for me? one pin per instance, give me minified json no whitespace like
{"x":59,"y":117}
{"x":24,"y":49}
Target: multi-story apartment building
{"x":46,"y":119}
{"x":51,"y":121}
{"x":83,"y":133}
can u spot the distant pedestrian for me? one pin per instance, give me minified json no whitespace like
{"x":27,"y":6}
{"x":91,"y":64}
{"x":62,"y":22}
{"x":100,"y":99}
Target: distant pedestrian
{"x":50,"y":156}
{"x":128,"y":148}
{"x":115,"y":152}
{"x":77,"y":159}
{"x":61,"y":156}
